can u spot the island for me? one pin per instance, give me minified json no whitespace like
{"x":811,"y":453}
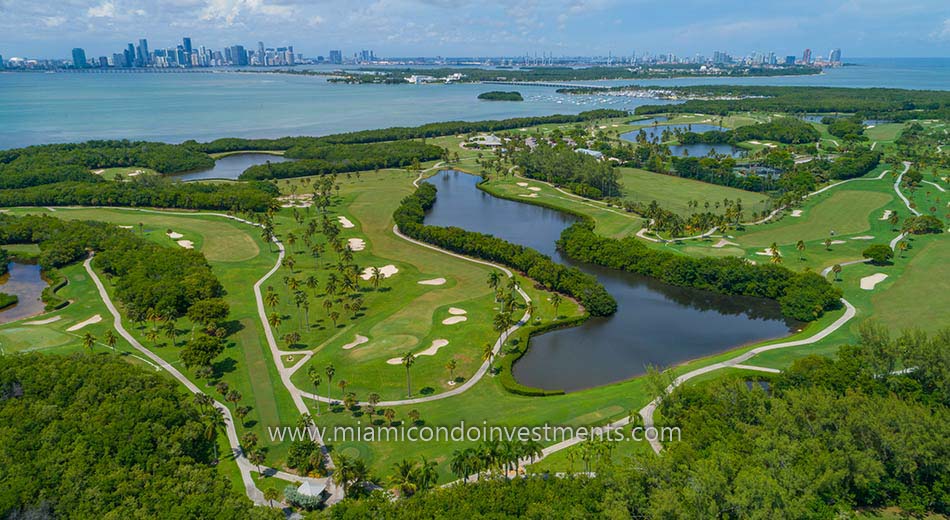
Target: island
{"x":498,"y":95}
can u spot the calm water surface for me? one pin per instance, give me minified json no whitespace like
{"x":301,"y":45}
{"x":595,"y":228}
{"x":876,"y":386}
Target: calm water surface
{"x":655,"y":323}
{"x":25,"y":282}
{"x":231,"y":166}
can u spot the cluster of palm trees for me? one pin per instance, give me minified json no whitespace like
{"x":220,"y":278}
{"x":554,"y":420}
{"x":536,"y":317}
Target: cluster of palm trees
{"x":507,"y":305}
{"x":494,"y":458}
{"x":411,"y":477}
{"x":89,"y":341}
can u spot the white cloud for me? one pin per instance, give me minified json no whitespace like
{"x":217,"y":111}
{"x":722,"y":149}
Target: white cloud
{"x":104,"y":10}
{"x":315,"y":21}
{"x":943,"y":32}
{"x":54,"y":21}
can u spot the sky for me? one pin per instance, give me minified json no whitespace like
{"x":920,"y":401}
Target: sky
{"x":861,"y":28}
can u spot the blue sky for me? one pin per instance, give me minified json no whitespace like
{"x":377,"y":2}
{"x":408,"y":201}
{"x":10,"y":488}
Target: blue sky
{"x":50,"y":28}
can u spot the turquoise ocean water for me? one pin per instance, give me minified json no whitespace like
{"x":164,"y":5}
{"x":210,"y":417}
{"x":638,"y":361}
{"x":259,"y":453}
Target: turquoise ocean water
{"x":38,"y":108}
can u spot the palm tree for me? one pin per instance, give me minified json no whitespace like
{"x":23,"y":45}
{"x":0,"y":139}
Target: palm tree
{"x":414,"y":415}
{"x":272,"y":299}
{"x":776,"y":257}
{"x":894,"y":219}
{"x":494,"y":280}
{"x":88,"y":341}
{"x":462,"y":463}
{"x":312,"y":283}
{"x":214,"y":422}
{"x":488,"y":354}
{"x":256,"y":458}
{"x":555,"y":302}
{"x":151,"y":335}
{"x":274,"y":320}
{"x":334,"y":317}
{"x":315,"y":380}
{"x":837,"y":270}
{"x":342,"y":384}
{"x":329,"y":371}
{"x":800,"y":246}
{"x":451,"y":366}
{"x":376,"y":277}
{"x":407,"y":360}
{"x":404,"y":477}
{"x":111,"y":339}
{"x":902,"y":246}
{"x":828,"y":244}
{"x":204,"y":401}
{"x":390,"y":415}
{"x":426,"y":474}
{"x":271,"y":494}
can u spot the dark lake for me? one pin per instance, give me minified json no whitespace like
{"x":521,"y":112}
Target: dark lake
{"x":230,"y":166}
{"x":656,"y":132}
{"x":652,"y":120}
{"x":25,"y":282}
{"x":702,"y":150}
{"x":655,"y":323}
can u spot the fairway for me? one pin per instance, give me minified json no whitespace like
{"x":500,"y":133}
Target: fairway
{"x":845,"y":212}
{"x":674,"y":193}
{"x":921,"y":296}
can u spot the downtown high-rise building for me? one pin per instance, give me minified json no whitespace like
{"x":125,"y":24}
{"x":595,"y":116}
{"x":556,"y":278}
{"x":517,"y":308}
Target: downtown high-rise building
{"x":142,"y":57}
{"x":835,"y":56}
{"x":79,"y":58}
{"x":336,"y":57}
{"x":806,"y":56}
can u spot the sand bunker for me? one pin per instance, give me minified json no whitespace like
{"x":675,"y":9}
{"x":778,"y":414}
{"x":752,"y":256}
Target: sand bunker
{"x":126,"y":227}
{"x":434,"y":281}
{"x":95,"y":319}
{"x":173,"y":235}
{"x":134,"y":174}
{"x":838,"y":242}
{"x":345,"y":222}
{"x":455,"y":311}
{"x":453,"y":320}
{"x":863,"y":237}
{"x":523,"y":184}
{"x":386,"y":271}
{"x":796,"y":212}
{"x":887,"y":214}
{"x":356,"y":244}
{"x":358,"y":341}
{"x":768,"y":252}
{"x":436,"y":345}
{"x":44,"y":322}
{"x":530,"y":196}
{"x":534,"y":188}
{"x":187,"y":244}
{"x":723,"y":243}
{"x":868,"y":282}
{"x":754,"y":142}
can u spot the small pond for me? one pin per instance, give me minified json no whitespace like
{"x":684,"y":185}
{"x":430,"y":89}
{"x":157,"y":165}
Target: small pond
{"x":26,"y":282}
{"x":230,"y":166}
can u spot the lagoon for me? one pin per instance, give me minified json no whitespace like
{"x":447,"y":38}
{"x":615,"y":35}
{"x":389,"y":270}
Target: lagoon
{"x":27,"y":283}
{"x":230,"y":166}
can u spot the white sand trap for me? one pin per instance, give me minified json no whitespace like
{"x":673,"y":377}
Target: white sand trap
{"x":44,"y":322}
{"x":868,"y":282}
{"x":386,"y":271}
{"x":134,"y":174}
{"x":754,"y":142}
{"x":98,"y":172}
{"x":530,"y":196}
{"x":534,"y":188}
{"x":436,"y":345}
{"x":434,"y":281}
{"x":863,"y":237}
{"x":454,"y":319}
{"x":455,"y":311}
{"x":345,"y":222}
{"x":126,"y":227}
{"x":523,"y":184}
{"x":870,"y":126}
{"x":887,"y":214}
{"x":723,"y":243}
{"x":356,"y":244}
{"x":187,"y":244}
{"x":838,"y":242}
{"x":796,"y":212}
{"x":768,"y":252}
{"x":358,"y":341}
{"x":95,"y":319}
{"x":174,"y":235}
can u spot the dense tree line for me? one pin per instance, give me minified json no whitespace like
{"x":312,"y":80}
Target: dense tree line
{"x":52,"y":163}
{"x":322,"y":159}
{"x":715,"y":171}
{"x":563,"y":166}
{"x":146,"y":191}
{"x":397,"y":133}
{"x":96,"y":437}
{"x":847,"y":128}
{"x":786,"y":130}
{"x":875,"y":103}
{"x":831,"y":435}
{"x":150,"y":279}
{"x":568,"y":280}
{"x":803,"y":296}
{"x":497,"y":95}
{"x":854,"y":163}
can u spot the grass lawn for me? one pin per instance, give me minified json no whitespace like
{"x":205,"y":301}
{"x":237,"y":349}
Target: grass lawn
{"x":674,"y":193}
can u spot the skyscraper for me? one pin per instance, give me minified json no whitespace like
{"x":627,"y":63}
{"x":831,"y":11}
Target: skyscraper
{"x":336,"y":57}
{"x":806,"y":56}
{"x":79,"y":58}
{"x":238,"y":56}
{"x":835,"y":56}
{"x":186,"y":43}
{"x":141,"y":53}
{"x":261,"y":57}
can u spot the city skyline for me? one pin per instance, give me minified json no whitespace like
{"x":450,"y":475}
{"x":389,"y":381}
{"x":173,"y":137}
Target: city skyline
{"x":405,"y":28}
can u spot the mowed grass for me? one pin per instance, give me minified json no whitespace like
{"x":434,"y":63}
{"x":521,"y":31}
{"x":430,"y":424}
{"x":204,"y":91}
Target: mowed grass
{"x":674,"y":193}
{"x":237,"y":261}
{"x":844,"y":211}
{"x":920,"y":297}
